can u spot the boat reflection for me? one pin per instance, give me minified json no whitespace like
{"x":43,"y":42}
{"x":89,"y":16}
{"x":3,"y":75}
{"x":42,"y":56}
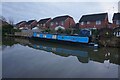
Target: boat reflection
{"x":83,"y":53}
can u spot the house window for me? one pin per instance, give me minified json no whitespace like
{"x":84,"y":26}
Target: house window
{"x":118,"y":22}
{"x":51,"y":24}
{"x":56,"y":23}
{"x":82,"y":23}
{"x":88,"y":22}
{"x":40,"y":24}
{"x":43,"y":24}
{"x":62,"y":22}
{"x":98,"y":22}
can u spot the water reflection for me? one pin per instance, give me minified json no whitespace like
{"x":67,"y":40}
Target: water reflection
{"x":83,"y":53}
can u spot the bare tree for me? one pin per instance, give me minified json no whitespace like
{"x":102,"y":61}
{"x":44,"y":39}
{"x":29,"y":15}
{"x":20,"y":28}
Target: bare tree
{"x":11,"y":21}
{"x":3,"y":18}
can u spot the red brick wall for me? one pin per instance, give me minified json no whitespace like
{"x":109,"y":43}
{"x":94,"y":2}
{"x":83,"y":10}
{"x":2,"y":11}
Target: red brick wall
{"x":22,"y":25}
{"x":103,"y":24}
{"x":46,"y":25}
{"x":33,"y":24}
{"x":67,"y":23}
{"x":93,"y":25}
{"x":52,"y":26}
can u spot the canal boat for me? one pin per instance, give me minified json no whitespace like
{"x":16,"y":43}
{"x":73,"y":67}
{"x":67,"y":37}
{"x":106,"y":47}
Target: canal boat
{"x":59,"y":37}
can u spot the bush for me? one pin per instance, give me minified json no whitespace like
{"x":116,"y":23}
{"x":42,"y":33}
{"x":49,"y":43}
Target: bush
{"x":60,"y":30}
{"x":8,"y":29}
{"x":106,"y":32}
{"x":68,"y":31}
{"x":47,"y":30}
{"x":95,"y":32}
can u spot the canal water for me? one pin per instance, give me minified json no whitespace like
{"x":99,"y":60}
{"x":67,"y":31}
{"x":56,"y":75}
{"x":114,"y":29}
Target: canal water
{"x":24,"y":58}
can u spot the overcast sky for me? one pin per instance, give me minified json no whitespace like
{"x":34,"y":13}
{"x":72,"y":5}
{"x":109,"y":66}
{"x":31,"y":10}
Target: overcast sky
{"x":19,"y":11}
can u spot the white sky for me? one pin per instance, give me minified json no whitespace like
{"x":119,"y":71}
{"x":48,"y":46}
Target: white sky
{"x":19,"y":11}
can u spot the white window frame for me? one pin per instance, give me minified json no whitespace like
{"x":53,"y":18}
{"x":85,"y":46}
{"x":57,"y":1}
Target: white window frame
{"x":98,"y":22}
{"x":56,"y":23}
{"x":88,"y":22}
{"x":43,"y":24}
{"x":62,"y":23}
{"x":82,"y":23}
{"x":40,"y":24}
{"x":51,"y":23}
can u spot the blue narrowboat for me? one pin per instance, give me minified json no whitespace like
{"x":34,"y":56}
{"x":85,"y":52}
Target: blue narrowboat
{"x":67,"y":38}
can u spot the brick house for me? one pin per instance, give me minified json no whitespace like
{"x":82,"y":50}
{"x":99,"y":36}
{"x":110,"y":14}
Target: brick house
{"x":21,"y":25}
{"x":31,"y":24}
{"x":63,"y":22}
{"x":94,"y":21}
{"x":44,"y":23}
{"x":116,"y":20}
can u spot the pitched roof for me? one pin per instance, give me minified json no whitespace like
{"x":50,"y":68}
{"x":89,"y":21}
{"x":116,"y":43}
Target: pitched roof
{"x":42,"y":21}
{"x":30,"y":21}
{"x":60,"y":18}
{"x":93,"y":17}
{"x":21,"y":22}
{"x":116,"y":16}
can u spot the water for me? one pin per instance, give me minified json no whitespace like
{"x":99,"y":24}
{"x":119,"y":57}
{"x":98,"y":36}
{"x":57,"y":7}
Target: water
{"x":23,"y":58}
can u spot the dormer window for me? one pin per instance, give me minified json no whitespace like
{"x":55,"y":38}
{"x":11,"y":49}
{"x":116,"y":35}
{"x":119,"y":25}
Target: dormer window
{"x":82,"y":23}
{"x":98,"y":22}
